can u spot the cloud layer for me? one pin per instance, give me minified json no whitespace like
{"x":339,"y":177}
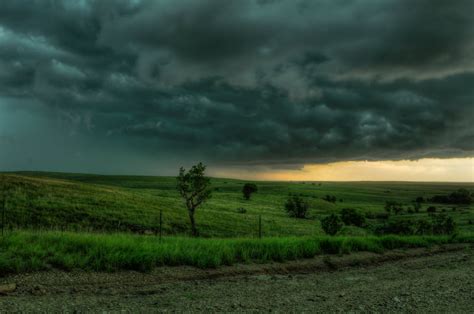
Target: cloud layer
{"x":280,"y":83}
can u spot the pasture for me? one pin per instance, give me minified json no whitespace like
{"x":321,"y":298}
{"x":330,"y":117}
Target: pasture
{"x":77,"y":202}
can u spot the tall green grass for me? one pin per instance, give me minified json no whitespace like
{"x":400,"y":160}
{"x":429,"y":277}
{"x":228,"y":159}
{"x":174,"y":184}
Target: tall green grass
{"x":25,"y":251}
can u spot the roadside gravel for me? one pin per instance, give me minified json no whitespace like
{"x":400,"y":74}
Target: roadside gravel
{"x":401,"y":281}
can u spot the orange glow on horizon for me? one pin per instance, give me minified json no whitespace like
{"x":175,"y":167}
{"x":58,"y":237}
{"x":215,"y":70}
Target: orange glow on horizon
{"x":428,"y":169}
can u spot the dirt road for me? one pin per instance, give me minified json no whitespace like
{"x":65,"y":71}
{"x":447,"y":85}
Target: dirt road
{"x":413,"y":281}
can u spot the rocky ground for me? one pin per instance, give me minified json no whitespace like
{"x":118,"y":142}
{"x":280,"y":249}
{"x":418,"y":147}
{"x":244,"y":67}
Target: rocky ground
{"x":440,"y":280}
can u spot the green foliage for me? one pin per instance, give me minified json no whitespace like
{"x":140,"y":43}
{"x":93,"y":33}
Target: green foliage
{"x":437,"y":225}
{"x":419,"y":199}
{"x":193,"y":187}
{"x":393,"y":206}
{"x":33,"y":251}
{"x":80,"y":202}
{"x":443,"y":224}
{"x":351,"y":216}
{"x":331,"y":224}
{"x":330,"y":198}
{"x":461,"y":196}
{"x":431,"y":209}
{"x":296,"y":206}
{"x":248,"y":189}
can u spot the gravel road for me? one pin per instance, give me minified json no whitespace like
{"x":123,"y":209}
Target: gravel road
{"x":408,"y":281}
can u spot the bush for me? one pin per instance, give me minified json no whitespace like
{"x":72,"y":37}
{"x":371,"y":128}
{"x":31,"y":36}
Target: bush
{"x":248,"y":189}
{"x":331,"y":224}
{"x":392,"y":206}
{"x":296,"y":206}
{"x":440,"y":224}
{"x":330,"y":198}
{"x":396,"y":227}
{"x":351,"y":216}
{"x":431,"y":209}
{"x":419,"y":199}
{"x":461,"y":196}
{"x":443,"y":224}
{"x":423,"y":226}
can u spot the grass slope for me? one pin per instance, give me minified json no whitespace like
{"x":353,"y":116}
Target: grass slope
{"x":132,"y":203}
{"x":34,"y":251}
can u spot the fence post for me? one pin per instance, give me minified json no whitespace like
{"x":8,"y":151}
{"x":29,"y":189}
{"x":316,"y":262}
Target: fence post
{"x":259,"y":226}
{"x":161,"y":224}
{"x":3,"y":214}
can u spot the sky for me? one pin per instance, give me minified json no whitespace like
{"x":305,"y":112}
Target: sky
{"x":262,"y":89}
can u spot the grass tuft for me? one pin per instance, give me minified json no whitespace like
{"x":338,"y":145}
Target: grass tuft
{"x":25,"y":251}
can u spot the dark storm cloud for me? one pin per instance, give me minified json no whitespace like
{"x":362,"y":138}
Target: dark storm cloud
{"x":236,"y":82}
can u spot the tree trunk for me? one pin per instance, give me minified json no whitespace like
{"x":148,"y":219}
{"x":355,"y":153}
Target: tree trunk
{"x":193,"y":223}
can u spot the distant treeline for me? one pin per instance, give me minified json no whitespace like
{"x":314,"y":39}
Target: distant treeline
{"x":461,"y":196}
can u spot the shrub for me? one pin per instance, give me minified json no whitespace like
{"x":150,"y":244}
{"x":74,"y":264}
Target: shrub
{"x":440,"y":224}
{"x":461,"y":196}
{"x":331,"y":224}
{"x":395,"y":227}
{"x":351,"y":216}
{"x":392,"y":206}
{"x":248,"y":189}
{"x":443,"y":224}
{"x":431,"y":209}
{"x":423,"y":226}
{"x":419,"y":199}
{"x":296,"y":206}
{"x":330,"y":198}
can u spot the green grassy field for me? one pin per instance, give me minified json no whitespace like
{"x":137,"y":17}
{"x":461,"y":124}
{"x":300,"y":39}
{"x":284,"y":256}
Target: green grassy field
{"x":132,"y":204}
{"x":103,"y":218}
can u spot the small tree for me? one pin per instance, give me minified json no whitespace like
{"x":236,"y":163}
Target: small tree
{"x":296,"y":206}
{"x":351,"y":216}
{"x":193,"y":186}
{"x":443,"y":224}
{"x":393,"y":206}
{"x":248,"y":189}
{"x":331,"y":224}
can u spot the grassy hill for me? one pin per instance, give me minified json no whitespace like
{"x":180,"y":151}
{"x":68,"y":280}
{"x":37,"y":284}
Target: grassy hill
{"x":132,"y":203}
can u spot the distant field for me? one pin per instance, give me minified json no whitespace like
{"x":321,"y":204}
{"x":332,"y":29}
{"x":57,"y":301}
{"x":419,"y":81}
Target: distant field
{"x":132,"y":204}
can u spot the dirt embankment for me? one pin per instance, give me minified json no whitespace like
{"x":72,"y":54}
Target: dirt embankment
{"x":440,"y":280}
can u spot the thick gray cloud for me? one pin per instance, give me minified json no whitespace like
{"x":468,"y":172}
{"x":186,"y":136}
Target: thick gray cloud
{"x":102,"y":85}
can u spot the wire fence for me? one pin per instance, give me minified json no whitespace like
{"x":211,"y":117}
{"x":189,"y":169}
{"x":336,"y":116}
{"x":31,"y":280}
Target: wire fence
{"x":13,"y":219}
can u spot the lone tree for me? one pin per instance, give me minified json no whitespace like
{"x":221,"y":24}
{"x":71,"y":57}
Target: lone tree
{"x":193,"y":186}
{"x":248,"y":189}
